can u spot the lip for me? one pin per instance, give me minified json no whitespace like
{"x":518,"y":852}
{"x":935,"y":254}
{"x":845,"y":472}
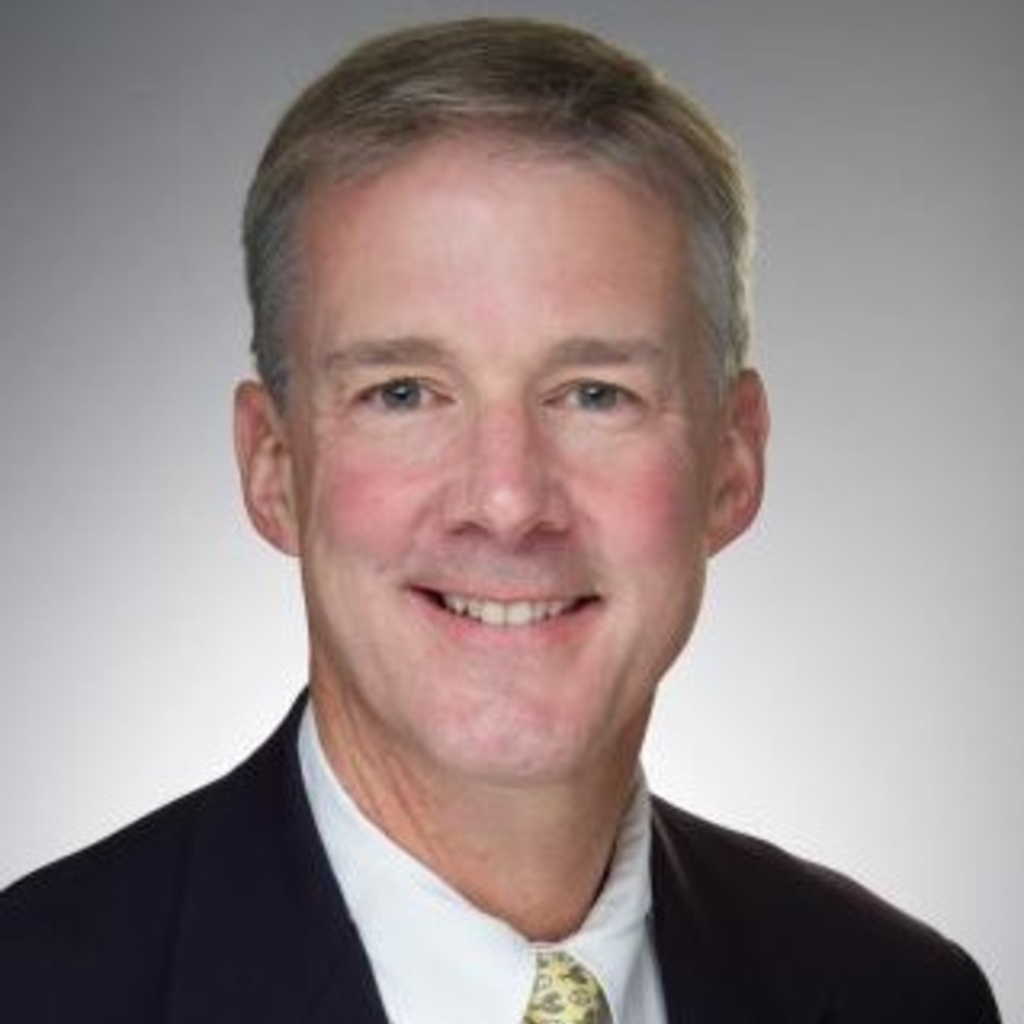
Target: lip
{"x":498,"y":616}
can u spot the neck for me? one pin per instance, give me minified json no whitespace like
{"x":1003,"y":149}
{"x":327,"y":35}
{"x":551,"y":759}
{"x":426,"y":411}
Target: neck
{"x":533,"y":855}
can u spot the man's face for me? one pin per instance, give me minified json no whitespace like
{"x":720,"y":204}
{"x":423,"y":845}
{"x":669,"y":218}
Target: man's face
{"x":500,"y":463}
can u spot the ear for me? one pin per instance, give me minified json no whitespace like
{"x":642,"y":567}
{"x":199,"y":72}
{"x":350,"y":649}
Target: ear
{"x":738,"y":482}
{"x":266,"y":468}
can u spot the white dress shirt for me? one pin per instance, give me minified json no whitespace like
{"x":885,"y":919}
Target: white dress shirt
{"x":436,"y":957}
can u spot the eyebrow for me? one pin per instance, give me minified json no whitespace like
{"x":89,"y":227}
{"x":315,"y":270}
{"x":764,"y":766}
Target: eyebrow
{"x":582,"y":351}
{"x":385,"y":352}
{"x":595,"y":351}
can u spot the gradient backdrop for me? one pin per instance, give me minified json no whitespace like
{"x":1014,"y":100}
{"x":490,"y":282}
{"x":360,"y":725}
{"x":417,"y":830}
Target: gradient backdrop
{"x":854,"y":691}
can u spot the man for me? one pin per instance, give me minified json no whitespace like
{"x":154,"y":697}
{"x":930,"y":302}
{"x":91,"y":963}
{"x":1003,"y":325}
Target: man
{"x":498,"y":275}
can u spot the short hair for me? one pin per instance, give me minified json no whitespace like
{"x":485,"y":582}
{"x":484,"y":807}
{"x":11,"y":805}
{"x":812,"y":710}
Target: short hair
{"x":553,"y":87}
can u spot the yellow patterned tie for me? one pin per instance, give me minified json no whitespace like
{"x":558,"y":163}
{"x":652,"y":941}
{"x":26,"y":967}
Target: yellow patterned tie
{"x":565,"y":992}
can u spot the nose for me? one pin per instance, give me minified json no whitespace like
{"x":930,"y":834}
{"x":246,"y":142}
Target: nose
{"x":507,"y":482}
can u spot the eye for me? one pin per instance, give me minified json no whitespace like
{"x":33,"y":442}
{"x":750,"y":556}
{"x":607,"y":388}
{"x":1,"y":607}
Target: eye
{"x":598,"y":396}
{"x":405,"y":394}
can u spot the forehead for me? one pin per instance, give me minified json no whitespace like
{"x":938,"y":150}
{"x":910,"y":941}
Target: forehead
{"x":486,"y":231}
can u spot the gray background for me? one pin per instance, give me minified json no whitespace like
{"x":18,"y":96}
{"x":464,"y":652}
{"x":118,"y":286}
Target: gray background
{"x":853,"y":691}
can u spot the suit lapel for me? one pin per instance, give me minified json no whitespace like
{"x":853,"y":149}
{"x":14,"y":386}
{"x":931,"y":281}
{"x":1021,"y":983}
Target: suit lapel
{"x":723,"y":959}
{"x":703,"y":980}
{"x":264,"y":933}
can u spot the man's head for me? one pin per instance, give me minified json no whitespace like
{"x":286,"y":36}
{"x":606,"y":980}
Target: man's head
{"x":543,"y":87}
{"x":501,"y":435}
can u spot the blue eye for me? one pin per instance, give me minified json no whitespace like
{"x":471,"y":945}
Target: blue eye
{"x":598,"y":397}
{"x":403,"y":395}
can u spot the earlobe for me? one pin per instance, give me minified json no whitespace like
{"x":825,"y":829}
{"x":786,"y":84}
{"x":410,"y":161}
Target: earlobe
{"x":265,"y":465}
{"x":738,"y":484}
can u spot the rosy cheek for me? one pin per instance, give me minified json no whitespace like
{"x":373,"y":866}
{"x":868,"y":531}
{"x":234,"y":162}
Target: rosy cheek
{"x":650,"y":508}
{"x":369,"y":504}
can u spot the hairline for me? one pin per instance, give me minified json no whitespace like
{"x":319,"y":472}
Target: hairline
{"x":321,"y":176}
{"x":582,"y":99}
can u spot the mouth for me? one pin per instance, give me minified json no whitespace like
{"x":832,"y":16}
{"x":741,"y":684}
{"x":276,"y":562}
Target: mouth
{"x":508,"y":614}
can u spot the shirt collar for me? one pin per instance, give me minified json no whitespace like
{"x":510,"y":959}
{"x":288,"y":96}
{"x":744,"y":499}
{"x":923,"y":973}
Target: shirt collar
{"x":425,"y":941}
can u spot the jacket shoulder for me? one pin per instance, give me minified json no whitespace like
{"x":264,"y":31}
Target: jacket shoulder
{"x":97,"y":927}
{"x":806,"y":935}
{"x":220,"y":906}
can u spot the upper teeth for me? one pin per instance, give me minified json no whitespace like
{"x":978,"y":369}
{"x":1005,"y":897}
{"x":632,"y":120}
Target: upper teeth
{"x":503,"y":613}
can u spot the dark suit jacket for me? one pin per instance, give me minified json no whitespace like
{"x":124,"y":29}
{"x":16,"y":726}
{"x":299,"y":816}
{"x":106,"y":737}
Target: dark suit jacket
{"x":222,"y":908}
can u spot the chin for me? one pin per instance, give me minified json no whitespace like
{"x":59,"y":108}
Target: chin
{"x":517,"y":751}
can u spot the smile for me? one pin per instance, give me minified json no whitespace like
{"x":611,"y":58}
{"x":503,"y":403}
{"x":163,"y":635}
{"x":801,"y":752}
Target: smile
{"x":506,"y":614}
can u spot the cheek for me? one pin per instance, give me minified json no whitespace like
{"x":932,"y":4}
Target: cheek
{"x":650,"y":513}
{"x":365,"y":505}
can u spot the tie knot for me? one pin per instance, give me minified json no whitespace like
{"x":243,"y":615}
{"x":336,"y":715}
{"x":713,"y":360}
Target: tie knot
{"x":564,"y":992}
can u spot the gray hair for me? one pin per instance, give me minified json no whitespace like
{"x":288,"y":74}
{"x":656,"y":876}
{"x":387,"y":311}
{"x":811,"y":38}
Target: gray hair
{"x":559,"y":89}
